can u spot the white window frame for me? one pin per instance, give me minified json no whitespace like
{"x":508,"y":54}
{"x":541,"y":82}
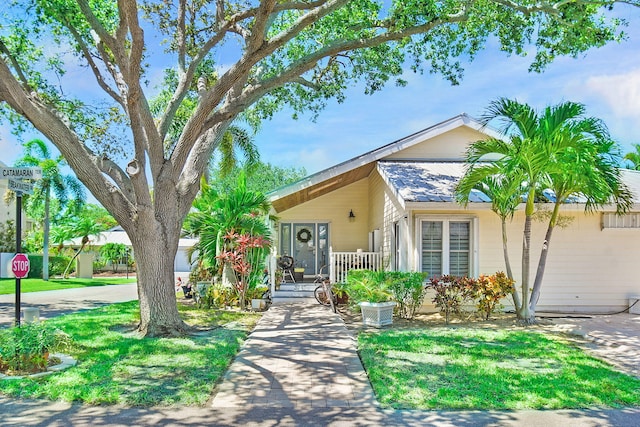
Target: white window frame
{"x":611,"y":220}
{"x":446,"y":220}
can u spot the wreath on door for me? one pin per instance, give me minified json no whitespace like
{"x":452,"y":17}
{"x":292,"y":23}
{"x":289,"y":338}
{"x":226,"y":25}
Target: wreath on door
{"x":303,"y":235}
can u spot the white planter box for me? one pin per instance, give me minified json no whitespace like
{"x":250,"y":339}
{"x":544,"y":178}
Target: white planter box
{"x":258,"y":304}
{"x":377,"y":314}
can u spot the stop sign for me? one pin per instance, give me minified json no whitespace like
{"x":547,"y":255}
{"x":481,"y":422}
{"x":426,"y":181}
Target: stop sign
{"x":20,"y":265}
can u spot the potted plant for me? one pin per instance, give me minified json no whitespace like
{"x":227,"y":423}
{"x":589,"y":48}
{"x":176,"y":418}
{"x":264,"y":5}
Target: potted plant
{"x":255,"y":295}
{"x":370,"y":291}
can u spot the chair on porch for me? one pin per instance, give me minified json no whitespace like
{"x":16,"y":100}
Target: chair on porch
{"x":286,"y":262}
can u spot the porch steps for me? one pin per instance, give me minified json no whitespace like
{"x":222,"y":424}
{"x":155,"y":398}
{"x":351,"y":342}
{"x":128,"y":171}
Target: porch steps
{"x":295,"y":292}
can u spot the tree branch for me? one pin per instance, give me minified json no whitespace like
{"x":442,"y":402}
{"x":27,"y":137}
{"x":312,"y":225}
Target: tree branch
{"x":78,"y":156}
{"x":181,"y":35}
{"x":16,"y":66}
{"x":94,"y":67}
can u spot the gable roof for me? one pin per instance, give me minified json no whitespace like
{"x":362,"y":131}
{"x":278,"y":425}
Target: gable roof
{"x":359,"y":167}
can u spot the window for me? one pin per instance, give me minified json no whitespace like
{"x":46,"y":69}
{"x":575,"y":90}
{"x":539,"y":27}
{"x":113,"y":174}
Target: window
{"x":613,"y":220}
{"x":446,"y":246}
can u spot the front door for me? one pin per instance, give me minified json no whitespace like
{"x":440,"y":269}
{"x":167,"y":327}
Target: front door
{"x":304,"y":247}
{"x":308,"y":244}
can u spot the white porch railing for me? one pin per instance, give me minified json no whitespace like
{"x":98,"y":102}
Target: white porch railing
{"x":341,"y":262}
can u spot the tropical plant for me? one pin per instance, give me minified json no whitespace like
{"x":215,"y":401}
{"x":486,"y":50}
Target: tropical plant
{"x":261,"y":177}
{"x":59,"y":235}
{"x":25,"y":348}
{"x":558,"y":149}
{"x":505,"y":192}
{"x":114,"y":253}
{"x":490,"y":290}
{"x":84,"y":227}
{"x":37,"y":154}
{"x":294,"y":55}
{"x":633,"y":158}
{"x":245,"y":255}
{"x":217,"y":214}
{"x":408,"y":291}
{"x":367,"y":286}
{"x":451,"y":294}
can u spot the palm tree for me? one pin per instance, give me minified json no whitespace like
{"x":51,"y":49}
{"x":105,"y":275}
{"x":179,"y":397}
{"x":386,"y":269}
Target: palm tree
{"x":505,"y":193}
{"x":558,"y":149}
{"x":215,"y":215}
{"x":587,"y":170}
{"x":85,"y":227}
{"x":37,"y":154}
{"x":634,"y":158}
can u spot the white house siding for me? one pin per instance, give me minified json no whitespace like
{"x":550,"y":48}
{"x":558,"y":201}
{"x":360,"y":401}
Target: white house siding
{"x":384,"y":210}
{"x":588,"y":269}
{"x":334,"y":209}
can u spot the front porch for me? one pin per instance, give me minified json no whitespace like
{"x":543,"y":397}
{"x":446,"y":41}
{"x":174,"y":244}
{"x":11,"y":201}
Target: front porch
{"x":299,"y":288}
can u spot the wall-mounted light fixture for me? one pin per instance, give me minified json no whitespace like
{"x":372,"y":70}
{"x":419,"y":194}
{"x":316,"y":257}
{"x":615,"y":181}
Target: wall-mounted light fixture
{"x":352,"y":216}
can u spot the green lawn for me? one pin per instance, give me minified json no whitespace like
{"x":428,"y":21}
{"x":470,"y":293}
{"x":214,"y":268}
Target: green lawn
{"x":117,"y":367}
{"x":468,"y":368}
{"x":8,"y":286}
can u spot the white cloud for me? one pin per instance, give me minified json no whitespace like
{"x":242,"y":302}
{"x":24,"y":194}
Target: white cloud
{"x":621,"y":92}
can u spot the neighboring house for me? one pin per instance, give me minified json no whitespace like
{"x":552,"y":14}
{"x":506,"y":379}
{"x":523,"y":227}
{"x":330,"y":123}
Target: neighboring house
{"x":394,"y":208}
{"x":118,"y":235}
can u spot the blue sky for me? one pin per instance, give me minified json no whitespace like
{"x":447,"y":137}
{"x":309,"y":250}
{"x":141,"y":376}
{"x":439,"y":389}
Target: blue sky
{"x":606,"y":80}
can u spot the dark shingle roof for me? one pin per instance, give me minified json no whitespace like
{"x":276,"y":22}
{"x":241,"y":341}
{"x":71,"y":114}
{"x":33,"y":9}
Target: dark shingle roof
{"x":426,"y":181}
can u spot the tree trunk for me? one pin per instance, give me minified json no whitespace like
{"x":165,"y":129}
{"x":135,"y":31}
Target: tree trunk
{"x":45,"y":246}
{"x":523,"y":314}
{"x":65,"y":275}
{"x":155,"y":251}
{"x":507,"y":263}
{"x":542,"y":262}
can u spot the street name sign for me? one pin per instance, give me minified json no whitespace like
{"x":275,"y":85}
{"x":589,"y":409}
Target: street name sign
{"x":21,"y":173}
{"x":21,"y":186}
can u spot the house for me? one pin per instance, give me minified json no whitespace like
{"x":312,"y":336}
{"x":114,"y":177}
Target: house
{"x":394,"y":208}
{"x":118,"y":235}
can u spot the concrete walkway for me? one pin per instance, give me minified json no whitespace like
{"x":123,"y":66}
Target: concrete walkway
{"x":612,"y":337}
{"x":298,"y":356}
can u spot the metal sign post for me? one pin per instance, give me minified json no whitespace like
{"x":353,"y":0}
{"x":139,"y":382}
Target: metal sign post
{"x":18,"y":249}
{"x":16,"y":183}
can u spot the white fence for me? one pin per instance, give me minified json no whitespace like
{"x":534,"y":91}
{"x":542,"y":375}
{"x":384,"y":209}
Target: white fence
{"x":342,"y":262}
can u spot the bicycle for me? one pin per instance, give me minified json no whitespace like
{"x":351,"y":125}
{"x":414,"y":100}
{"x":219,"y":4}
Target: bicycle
{"x":325,"y":296}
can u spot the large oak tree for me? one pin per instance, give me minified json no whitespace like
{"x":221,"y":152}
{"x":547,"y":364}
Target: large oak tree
{"x":266,"y":55}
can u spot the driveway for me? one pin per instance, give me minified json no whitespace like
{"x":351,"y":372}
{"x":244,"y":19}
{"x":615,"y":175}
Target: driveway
{"x":55,"y":303}
{"x":612,"y":337}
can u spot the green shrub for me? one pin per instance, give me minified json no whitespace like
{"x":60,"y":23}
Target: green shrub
{"x":489,"y":290}
{"x":408,"y":291}
{"x":219,"y":296}
{"x":25,"y":348}
{"x":452,"y":293}
{"x":35,"y":266}
{"x":57,"y":264}
{"x":367,"y":286}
